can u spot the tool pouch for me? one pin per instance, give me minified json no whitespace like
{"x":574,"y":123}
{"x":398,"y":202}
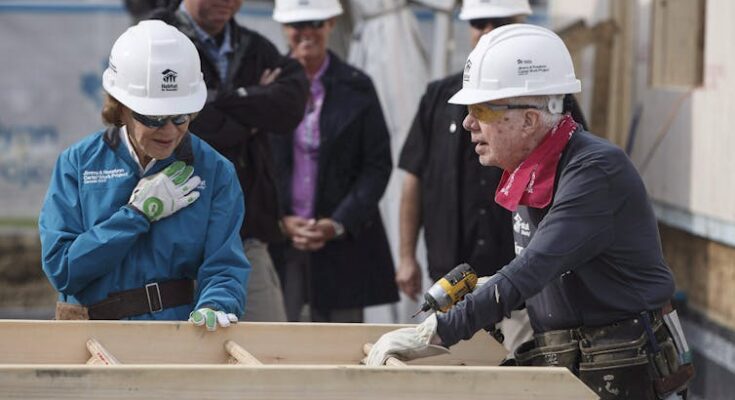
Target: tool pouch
{"x":619,"y":370}
{"x":552,"y":349}
{"x":670,"y":375}
{"x":68,"y":311}
{"x":625,"y":378}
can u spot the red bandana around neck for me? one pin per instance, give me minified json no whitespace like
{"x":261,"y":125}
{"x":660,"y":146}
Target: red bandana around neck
{"x":532,"y":182}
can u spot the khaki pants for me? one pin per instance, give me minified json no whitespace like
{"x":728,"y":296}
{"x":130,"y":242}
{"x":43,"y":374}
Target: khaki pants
{"x":264,"y":296}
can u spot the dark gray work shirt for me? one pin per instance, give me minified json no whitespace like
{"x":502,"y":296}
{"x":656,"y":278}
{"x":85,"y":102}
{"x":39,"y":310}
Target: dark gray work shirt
{"x":591,"y":258}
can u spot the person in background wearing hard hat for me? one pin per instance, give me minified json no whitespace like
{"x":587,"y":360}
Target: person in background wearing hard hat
{"x":253,"y":91}
{"x":590,"y":267}
{"x":448,"y":191}
{"x":332,"y":172}
{"x":138,"y":211}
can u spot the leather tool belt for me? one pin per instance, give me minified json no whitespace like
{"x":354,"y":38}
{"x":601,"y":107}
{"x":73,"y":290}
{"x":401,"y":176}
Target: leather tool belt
{"x":617,"y":361}
{"x":151,"y":298}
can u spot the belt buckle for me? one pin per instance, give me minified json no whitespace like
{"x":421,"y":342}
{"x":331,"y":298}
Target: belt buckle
{"x":158,"y":293}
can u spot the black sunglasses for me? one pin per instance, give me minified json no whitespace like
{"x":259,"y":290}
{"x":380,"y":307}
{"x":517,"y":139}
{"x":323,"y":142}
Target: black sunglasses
{"x":299,"y":25}
{"x":157,"y":121}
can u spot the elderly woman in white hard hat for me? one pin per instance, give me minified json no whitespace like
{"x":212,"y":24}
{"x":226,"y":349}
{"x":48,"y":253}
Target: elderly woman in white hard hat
{"x":136,"y":212}
{"x":332,"y":172}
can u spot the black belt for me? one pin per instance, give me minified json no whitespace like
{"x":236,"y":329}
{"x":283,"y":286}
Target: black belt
{"x":625,"y":330}
{"x":628,"y":329}
{"x":151,"y":298}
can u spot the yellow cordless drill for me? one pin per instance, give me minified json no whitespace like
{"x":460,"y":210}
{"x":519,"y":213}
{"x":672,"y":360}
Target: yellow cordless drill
{"x":449,"y":290}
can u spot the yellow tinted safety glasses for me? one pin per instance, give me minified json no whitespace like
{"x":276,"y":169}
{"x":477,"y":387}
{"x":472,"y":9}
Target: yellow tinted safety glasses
{"x":488,"y":113}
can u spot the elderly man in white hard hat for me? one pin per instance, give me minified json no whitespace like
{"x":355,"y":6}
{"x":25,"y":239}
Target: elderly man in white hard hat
{"x":332,"y":171}
{"x":590,"y":268}
{"x":448,"y":192}
{"x":127,"y":226}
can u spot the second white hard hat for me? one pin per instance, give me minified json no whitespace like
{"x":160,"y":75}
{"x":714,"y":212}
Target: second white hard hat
{"x":476,"y":9}
{"x":517,"y":60}
{"x":287,"y":11}
{"x":154,"y":69}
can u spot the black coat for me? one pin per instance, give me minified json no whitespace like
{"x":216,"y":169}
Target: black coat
{"x":237,"y":124}
{"x":434,"y":151}
{"x":354,"y":166}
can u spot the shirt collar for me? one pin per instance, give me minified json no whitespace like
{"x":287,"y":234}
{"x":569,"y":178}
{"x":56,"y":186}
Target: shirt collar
{"x":205,"y":37}
{"x":124,"y":138}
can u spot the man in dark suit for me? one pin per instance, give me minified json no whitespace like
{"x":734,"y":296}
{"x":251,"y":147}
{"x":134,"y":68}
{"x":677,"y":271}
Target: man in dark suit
{"x":252,"y":91}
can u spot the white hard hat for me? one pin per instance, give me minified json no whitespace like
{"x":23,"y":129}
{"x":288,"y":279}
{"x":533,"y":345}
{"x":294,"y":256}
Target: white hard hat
{"x":476,"y":9}
{"x":155,"y":70}
{"x":287,"y":11}
{"x":517,"y":60}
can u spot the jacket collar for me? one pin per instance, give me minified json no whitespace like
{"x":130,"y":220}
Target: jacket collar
{"x":345,"y":99}
{"x":183,"y":151}
{"x":240,"y":38}
{"x":112,"y":137}
{"x":338,"y":70}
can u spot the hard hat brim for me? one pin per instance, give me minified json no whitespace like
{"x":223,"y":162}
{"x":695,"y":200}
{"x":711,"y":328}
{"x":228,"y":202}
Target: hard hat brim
{"x":467,"y":96}
{"x":286,"y":17}
{"x":488,"y":11}
{"x":159,"y":105}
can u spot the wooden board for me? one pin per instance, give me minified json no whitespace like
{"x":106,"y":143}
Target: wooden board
{"x":288,"y":382}
{"x":64,"y":342}
{"x":45,"y":359}
{"x":677,"y":53}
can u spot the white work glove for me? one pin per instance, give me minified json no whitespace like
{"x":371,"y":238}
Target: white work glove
{"x":211,"y":318}
{"x":166,"y":192}
{"x":406,"y":344}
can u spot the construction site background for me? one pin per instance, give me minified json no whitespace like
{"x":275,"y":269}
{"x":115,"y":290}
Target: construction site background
{"x":656,"y":77}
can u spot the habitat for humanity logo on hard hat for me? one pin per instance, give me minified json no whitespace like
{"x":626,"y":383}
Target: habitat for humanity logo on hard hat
{"x":467,"y":68}
{"x":169,"y":81}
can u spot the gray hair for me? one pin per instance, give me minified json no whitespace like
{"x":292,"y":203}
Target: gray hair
{"x":546,"y":103}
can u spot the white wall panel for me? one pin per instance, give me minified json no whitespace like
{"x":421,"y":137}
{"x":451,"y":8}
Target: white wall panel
{"x":692,"y":168}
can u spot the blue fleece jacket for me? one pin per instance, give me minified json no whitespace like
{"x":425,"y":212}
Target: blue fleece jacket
{"x":94,"y":244}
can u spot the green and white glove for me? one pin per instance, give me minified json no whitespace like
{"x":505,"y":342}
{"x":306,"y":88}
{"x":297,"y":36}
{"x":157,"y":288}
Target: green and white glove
{"x":406,"y":344}
{"x":211,"y":318}
{"x":166,"y":192}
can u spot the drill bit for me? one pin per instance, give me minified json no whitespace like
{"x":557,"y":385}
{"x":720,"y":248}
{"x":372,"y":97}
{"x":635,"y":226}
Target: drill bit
{"x":424,"y":307}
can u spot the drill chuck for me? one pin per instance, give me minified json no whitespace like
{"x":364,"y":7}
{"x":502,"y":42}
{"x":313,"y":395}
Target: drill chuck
{"x":450,"y":289}
{"x":437,"y":297}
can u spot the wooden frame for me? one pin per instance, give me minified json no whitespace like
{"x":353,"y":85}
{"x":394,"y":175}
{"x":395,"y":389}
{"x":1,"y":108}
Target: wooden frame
{"x":578,"y":36}
{"x":677,"y":43}
{"x":46,"y":359}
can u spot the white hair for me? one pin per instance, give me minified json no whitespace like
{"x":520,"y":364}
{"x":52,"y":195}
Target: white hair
{"x":546,"y":103}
